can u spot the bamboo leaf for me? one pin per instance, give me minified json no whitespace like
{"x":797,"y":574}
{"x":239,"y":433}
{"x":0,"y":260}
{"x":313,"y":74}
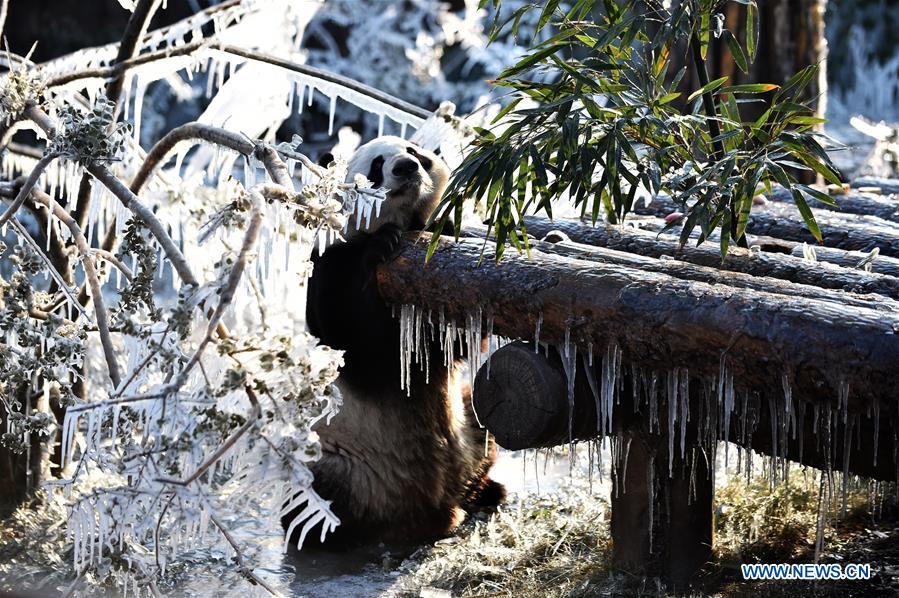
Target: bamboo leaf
{"x":736,"y":50}
{"x":807,"y":215}
{"x":708,"y":87}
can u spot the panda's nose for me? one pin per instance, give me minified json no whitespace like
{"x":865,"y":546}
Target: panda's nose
{"x":405,"y":167}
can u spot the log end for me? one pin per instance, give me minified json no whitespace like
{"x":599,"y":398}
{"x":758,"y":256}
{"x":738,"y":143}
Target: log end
{"x":523,"y":401}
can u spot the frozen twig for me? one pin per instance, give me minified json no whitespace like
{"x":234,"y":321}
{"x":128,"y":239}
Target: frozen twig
{"x":220,"y":452}
{"x":26,"y":188}
{"x":22,"y":232}
{"x":244,"y":568}
{"x":146,"y":215}
{"x":194,"y":130}
{"x":93,"y":281}
{"x":234,"y":276}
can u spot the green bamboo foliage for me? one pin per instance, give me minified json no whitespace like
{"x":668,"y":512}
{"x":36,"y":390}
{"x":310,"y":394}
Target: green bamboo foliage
{"x":610,"y":119}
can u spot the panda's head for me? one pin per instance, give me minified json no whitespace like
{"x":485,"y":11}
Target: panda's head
{"x":414,"y":178}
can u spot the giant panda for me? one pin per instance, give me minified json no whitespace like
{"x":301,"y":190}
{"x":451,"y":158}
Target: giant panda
{"x":396,"y":467}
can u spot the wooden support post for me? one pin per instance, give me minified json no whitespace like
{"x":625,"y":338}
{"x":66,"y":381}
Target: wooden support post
{"x":662,"y":521}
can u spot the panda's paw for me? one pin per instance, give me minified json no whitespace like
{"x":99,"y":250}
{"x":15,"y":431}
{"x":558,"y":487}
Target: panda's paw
{"x":384,"y":243}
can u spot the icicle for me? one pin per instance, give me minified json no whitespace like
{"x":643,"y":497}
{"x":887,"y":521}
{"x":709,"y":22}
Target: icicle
{"x":537,"y":332}
{"x":843,"y":399}
{"x":611,"y":368}
{"x":876,"y":428}
{"x":380,"y":125}
{"x":672,"y":417}
{"x":725,"y":396}
{"x":407,"y":339}
{"x":138,"y":105}
{"x":569,"y":355}
{"x":789,"y":419}
{"x":684,"y":394}
{"x":331,"y":110}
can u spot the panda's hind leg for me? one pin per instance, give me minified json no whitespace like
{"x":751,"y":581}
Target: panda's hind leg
{"x":483,"y":493}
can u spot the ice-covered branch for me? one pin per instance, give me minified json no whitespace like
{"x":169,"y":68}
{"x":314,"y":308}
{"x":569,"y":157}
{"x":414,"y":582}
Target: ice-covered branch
{"x":129,"y":46}
{"x":93,"y":280}
{"x":26,"y":188}
{"x":219,"y":453}
{"x":340,"y":80}
{"x":227,"y":293}
{"x":238,"y":554}
{"x":190,"y":131}
{"x":146,"y":215}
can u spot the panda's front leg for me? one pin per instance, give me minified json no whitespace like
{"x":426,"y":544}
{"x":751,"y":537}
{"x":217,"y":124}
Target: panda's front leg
{"x":345,"y":310}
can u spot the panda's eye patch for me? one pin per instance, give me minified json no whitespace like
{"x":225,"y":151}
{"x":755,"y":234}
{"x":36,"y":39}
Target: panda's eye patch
{"x":376,"y":171}
{"x":425,"y":162}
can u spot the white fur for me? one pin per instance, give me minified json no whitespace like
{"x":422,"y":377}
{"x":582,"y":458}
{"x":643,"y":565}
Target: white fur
{"x":406,"y":199}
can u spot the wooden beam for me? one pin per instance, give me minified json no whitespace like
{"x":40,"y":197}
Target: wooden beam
{"x":658,"y":320}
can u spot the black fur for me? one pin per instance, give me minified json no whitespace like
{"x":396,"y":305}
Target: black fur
{"x":345,"y":311}
{"x":376,"y":171}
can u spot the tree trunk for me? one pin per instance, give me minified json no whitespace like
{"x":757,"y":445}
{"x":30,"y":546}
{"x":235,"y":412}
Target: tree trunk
{"x":774,"y":265}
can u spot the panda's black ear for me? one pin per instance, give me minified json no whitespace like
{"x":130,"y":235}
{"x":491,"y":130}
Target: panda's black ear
{"x":376,"y":172}
{"x":325,"y":159}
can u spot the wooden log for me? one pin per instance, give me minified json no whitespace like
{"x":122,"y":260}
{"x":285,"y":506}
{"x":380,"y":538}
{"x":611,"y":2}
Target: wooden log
{"x":687,"y":271}
{"x":658,"y":320}
{"x":763,"y":263}
{"x":852,"y":232}
{"x":535,"y":414}
{"x":854,"y":202}
{"x":852,"y":259}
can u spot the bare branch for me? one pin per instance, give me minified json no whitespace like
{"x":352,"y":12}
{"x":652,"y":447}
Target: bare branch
{"x":274,"y":166}
{"x":4,"y":5}
{"x":128,"y":47}
{"x":91,"y":274}
{"x":115,"y":261}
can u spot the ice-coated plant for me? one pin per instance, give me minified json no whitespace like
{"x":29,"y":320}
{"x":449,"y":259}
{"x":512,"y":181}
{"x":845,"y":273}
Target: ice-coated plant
{"x":19,"y":88}
{"x":39,"y":346}
{"x":90,"y":136}
{"x":198,"y":386}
